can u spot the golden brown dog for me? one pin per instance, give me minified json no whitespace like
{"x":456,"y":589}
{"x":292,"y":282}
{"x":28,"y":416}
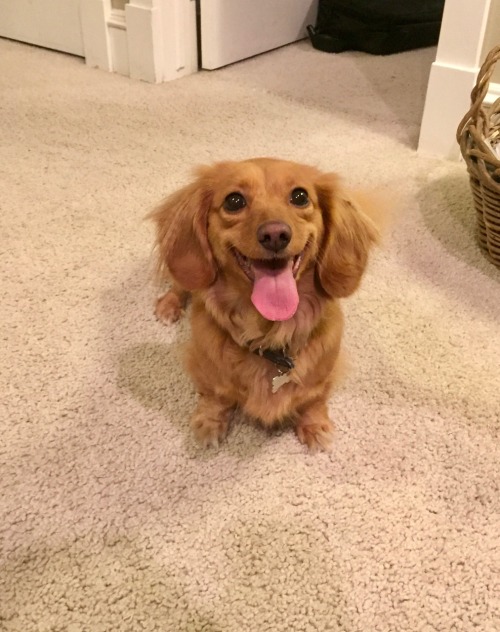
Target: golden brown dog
{"x":267,"y":248}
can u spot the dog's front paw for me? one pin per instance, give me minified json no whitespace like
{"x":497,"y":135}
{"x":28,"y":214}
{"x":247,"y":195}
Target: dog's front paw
{"x":170,"y":307}
{"x":316,"y":434}
{"x":208,"y":432}
{"x":210,"y":423}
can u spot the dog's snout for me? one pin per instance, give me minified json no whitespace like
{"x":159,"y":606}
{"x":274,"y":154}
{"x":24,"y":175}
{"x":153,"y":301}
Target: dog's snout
{"x":274,"y":236}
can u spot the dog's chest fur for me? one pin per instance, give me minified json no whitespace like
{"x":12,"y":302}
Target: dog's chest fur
{"x":224,"y":321}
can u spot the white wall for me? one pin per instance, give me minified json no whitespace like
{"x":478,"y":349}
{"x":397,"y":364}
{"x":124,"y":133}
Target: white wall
{"x":492,"y":36}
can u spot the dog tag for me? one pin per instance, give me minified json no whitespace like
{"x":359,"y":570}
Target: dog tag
{"x":279,"y":380}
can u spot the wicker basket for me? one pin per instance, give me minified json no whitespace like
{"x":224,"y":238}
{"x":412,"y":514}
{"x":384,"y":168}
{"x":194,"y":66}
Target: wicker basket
{"x":479,"y":137}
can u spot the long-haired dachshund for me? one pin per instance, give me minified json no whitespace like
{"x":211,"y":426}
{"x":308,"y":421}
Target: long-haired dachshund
{"x":267,"y":248}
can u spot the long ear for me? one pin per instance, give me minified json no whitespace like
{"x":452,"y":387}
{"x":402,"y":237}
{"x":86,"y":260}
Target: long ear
{"x":348,"y":237}
{"x":181,"y":236}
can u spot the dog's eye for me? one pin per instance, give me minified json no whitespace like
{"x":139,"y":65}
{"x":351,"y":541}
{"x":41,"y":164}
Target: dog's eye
{"x":234,"y":202}
{"x":299,"y":197}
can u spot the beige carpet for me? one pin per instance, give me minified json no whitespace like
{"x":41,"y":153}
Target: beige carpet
{"x":111,"y":517}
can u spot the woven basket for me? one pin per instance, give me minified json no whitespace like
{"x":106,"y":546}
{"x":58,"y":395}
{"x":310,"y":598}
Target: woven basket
{"x":478,"y":134}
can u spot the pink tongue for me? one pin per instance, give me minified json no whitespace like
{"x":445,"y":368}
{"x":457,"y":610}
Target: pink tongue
{"x":275,"y":292}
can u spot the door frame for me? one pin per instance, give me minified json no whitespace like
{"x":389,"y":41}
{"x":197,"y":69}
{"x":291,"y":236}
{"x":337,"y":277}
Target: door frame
{"x":151,"y":40}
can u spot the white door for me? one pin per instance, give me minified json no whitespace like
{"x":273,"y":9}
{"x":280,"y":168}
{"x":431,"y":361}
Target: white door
{"x":235,"y":29}
{"x":49,"y":23}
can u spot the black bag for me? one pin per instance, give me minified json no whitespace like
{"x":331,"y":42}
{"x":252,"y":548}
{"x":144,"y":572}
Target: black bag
{"x":380,"y":27}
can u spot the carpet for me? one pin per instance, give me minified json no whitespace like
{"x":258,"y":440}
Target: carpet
{"x":111,"y":518}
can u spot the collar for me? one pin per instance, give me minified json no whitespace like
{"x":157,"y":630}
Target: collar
{"x":278,"y":357}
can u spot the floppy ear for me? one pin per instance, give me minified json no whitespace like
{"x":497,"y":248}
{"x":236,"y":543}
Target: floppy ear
{"x":181,"y":237}
{"x":348,"y":236}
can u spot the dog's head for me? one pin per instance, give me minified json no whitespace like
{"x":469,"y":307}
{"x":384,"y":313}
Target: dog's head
{"x":260,"y":224}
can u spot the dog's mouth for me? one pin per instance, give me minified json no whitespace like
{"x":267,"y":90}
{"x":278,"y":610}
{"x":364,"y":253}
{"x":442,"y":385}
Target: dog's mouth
{"x":274,"y":293}
{"x":273,"y":265}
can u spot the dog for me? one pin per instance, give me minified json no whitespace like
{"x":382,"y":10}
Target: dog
{"x":267,"y":248}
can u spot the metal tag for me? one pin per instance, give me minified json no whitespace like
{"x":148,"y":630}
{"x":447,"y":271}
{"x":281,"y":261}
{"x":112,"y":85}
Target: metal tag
{"x":280,"y":380}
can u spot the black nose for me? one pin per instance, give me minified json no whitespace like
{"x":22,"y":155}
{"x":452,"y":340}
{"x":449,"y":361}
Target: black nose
{"x":274,"y":235}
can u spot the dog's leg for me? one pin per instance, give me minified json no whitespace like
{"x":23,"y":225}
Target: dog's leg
{"x":210,"y":421}
{"x":314,"y":428}
{"x":170,"y":306}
